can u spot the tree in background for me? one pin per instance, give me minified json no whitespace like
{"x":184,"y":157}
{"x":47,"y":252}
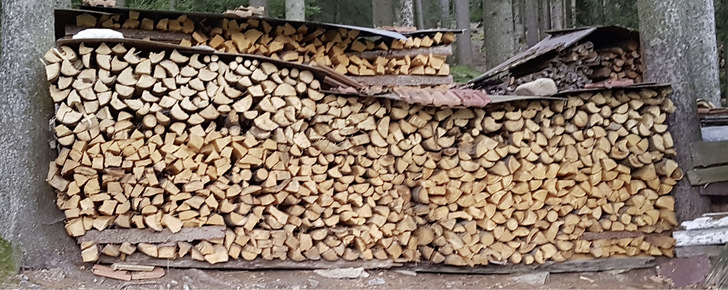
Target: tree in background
{"x":464,"y":53}
{"x":295,"y":10}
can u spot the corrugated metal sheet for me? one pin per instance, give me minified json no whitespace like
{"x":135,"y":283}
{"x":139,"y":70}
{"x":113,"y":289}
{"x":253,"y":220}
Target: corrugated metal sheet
{"x":555,"y":42}
{"x":68,"y":16}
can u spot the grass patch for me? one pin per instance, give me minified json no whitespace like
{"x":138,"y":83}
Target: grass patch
{"x":463,"y":73}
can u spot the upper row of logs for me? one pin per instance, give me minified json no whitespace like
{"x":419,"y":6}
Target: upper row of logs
{"x":340,"y":49}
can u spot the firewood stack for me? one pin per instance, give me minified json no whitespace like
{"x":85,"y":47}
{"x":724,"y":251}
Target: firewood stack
{"x":171,"y":141}
{"x":340,"y":49}
{"x":580,"y":65}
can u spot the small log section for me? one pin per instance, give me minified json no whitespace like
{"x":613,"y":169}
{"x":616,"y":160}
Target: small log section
{"x":167,"y":141}
{"x":342,"y":50}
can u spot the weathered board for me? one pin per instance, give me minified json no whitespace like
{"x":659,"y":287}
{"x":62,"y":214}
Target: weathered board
{"x":258,"y":264}
{"x":715,"y":189}
{"x":442,"y":50}
{"x":715,"y":133}
{"x":590,"y":265}
{"x":709,"y":153}
{"x":135,"y":236}
{"x":403,"y":80}
{"x":701,"y":176}
{"x":690,"y":251}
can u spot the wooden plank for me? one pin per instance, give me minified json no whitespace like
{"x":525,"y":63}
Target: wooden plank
{"x":715,"y":133}
{"x":169,"y":37}
{"x":258,"y":264}
{"x":690,"y":251}
{"x":700,"y":176}
{"x":402,"y":80}
{"x":709,"y":153}
{"x":717,"y":236}
{"x":715,"y":189}
{"x":136,"y":236}
{"x":585,"y":265}
{"x":442,"y":50}
{"x":615,"y":235}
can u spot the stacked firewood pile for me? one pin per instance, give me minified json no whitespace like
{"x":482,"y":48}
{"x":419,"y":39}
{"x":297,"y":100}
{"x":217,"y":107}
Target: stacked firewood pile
{"x":339,"y":49}
{"x":580,"y":65}
{"x":166,"y":141}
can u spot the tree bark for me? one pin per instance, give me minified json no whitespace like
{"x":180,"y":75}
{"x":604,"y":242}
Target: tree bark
{"x":255,"y":3}
{"x":569,"y":13}
{"x":519,"y":35}
{"x":530,"y":15}
{"x":668,"y":30}
{"x":406,"y":13}
{"x":498,"y":28}
{"x":171,"y":5}
{"x":464,"y":46}
{"x":544,"y":18}
{"x":557,"y":14}
{"x":296,"y":10}
{"x":382,"y":13}
{"x":445,"y":13}
{"x":30,"y":219}
{"x":120,"y":3}
{"x":703,"y":50}
{"x":420,"y":14}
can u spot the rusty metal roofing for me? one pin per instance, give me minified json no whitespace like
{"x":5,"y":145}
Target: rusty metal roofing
{"x":68,"y":16}
{"x":557,"y":41}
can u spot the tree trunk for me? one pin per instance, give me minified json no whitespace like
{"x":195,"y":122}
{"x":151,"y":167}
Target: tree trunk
{"x":519,"y":35}
{"x":557,"y":14}
{"x":703,"y":50}
{"x":296,"y":10}
{"x":498,"y":29}
{"x":171,"y":5}
{"x":464,"y":46}
{"x":406,"y":13}
{"x":668,"y":29}
{"x":544,"y":18}
{"x":120,"y":3}
{"x":530,"y":15}
{"x":30,"y":219}
{"x":256,"y":3}
{"x":569,"y":13}
{"x":382,"y":13}
{"x":445,"y":13}
{"x":420,"y":14}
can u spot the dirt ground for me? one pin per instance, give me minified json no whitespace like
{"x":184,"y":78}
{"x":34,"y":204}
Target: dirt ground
{"x":186,"y":279}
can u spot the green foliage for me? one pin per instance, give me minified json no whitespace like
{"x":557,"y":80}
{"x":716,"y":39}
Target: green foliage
{"x":463,"y":73}
{"x":7,"y":261}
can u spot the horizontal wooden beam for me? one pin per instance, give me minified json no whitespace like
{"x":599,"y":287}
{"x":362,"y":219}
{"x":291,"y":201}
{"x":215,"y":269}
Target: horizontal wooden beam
{"x":714,"y":133}
{"x":691,"y":251}
{"x":709,"y":153}
{"x":585,"y":265}
{"x":258,"y":264}
{"x":442,"y":50}
{"x":404,"y":80}
{"x":701,"y":176}
{"x":135,"y":236}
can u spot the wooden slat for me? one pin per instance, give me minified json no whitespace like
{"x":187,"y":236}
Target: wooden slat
{"x":709,"y":153}
{"x":702,"y":176}
{"x":401,"y":80}
{"x":690,"y":251}
{"x":135,"y":236}
{"x":615,"y":235}
{"x":715,"y":189}
{"x":442,"y":50}
{"x":717,"y":236}
{"x":257,"y":264}
{"x":586,"y":265}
